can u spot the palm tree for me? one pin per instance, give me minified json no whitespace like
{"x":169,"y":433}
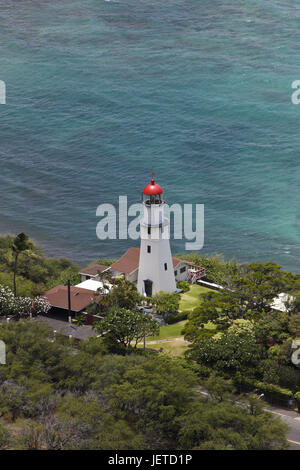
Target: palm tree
{"x":20,"y":245}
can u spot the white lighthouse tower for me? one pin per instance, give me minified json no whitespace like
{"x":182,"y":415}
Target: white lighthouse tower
{"x":156,"y":271}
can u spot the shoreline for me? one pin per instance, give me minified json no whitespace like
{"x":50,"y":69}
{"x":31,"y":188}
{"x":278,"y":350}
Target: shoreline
{"x":53,"y":250}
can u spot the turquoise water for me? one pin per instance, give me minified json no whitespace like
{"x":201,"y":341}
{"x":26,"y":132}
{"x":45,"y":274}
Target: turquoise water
{"x":99,"y":94}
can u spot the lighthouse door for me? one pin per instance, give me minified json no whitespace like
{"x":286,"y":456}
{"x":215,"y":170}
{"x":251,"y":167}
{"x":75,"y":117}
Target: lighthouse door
{"x":148,"y":287}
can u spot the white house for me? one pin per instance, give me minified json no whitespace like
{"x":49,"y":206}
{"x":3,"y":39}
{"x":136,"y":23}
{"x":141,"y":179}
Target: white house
{"x":280,"y":302}
{"x":91,"y":284}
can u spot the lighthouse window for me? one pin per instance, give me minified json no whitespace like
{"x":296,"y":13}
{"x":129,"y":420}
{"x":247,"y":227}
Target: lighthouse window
{"x":148,"y":249}
{"x":166,"y":266}
{"x":149,"y":230}
{"x":182,"y":270}
{"x":175,"y":273}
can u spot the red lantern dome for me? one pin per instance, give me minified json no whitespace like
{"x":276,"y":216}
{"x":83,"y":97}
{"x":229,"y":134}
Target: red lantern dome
{"x":152,"y":189}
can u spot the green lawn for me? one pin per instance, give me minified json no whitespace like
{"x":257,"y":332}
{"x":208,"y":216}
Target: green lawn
{"x":188,"y":301}
{"x":169,"y":331}
{"x":192,"y":298}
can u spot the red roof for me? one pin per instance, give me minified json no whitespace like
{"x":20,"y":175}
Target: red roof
{"x":92,"y":269}
{"x":80,"y":298}
{"x":129,"y":262}
{"x":153,"y":189}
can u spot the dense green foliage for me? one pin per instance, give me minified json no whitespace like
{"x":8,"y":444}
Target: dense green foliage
{"x":107,"y":394}
{"x":65,"y":398}
{"x":21,"y":244}
{"x":123,"y":294}
{"x":184,"y":285}
{"x":126,"y":328}
{"x":166,"y":304}
{"x":217,"y":269}
{"x":250,"y":344}
{"x":105,"y":262}
{"x":34,"y":271}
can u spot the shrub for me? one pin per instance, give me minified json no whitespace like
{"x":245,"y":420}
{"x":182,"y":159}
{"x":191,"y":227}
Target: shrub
{"x":4,"y":437}
{"x":297,"y":398}
{"x":216,"y":268}
{"x":242,"y":383}
{"x":166,"y":304}
{"x":274,"y":393}
{"x":183,"y":285}
{"x":105,"y":262}
{"x":180,"y":316}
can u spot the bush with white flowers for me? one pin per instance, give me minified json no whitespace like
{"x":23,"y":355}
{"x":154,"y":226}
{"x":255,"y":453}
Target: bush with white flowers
{"x":23,"y":306}
{"x":40,"y":305}
{"x":7,"y":301}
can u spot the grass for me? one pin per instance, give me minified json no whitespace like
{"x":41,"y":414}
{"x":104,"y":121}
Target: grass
{"x":188,"y":302}
{"x":192,"y":298}
{"x":174,"y":348}
{"x":169,"y":331}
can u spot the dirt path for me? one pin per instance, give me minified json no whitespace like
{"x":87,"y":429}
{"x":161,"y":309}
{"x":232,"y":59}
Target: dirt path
{"x":180,"y":340}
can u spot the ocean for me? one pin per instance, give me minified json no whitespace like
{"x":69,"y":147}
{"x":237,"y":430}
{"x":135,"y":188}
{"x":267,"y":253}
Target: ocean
{"x":102,"y":93}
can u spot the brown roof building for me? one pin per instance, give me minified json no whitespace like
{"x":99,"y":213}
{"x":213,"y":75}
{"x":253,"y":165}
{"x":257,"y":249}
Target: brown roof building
{"x":129,"y":262}
{"x":93,"y":269}
{"x":80,"y":298}
{"x":128,"y":265}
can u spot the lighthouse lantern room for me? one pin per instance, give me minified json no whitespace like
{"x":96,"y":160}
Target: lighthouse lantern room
{"x":156,"y":271}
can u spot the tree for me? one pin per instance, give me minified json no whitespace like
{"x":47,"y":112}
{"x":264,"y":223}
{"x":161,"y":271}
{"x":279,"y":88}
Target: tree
{"x":247,"y":294}
{"x":102,"y":431}
{"x":216,"y":268}
{"x":166,"y":303}
{"x":253,"y":287}
{"x":85,"y":398}
{"x":5,"y":437}
{"x":229,"y":354}
{"x":242,"y":327}
{"x":207,"y":311}
{"x":69,"y":274}
{"x":152,"y":392}
{"x":123,"y":294}
{"x":20,"y":245}
{"x":126,"y":326}
{"x":183,"y":285}
{"x":294,"y":325}
{"x":271,"y":329}
{"x":225,"y":426}
{"x":218,"y":388}
{"x":30,"y":436}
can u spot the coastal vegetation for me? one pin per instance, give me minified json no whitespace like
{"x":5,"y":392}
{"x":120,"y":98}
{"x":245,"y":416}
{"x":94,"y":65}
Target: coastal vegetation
{"x":109,"y":393}
{"x":251,"y":344}
{"x":56,"y":396}
{"x":217,"y":269}
{"x":23,"y":263}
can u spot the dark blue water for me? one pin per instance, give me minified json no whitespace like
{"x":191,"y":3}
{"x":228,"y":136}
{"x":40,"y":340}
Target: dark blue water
{"x":100,"y":94}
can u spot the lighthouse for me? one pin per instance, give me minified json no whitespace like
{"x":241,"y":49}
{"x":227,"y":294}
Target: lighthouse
{"x":156,"y":272}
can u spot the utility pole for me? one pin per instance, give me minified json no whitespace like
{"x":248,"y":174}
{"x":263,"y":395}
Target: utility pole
{"x":69,"y":302}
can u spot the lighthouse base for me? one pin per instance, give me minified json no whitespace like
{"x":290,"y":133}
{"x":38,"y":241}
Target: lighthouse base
{"x":156,"y":272}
